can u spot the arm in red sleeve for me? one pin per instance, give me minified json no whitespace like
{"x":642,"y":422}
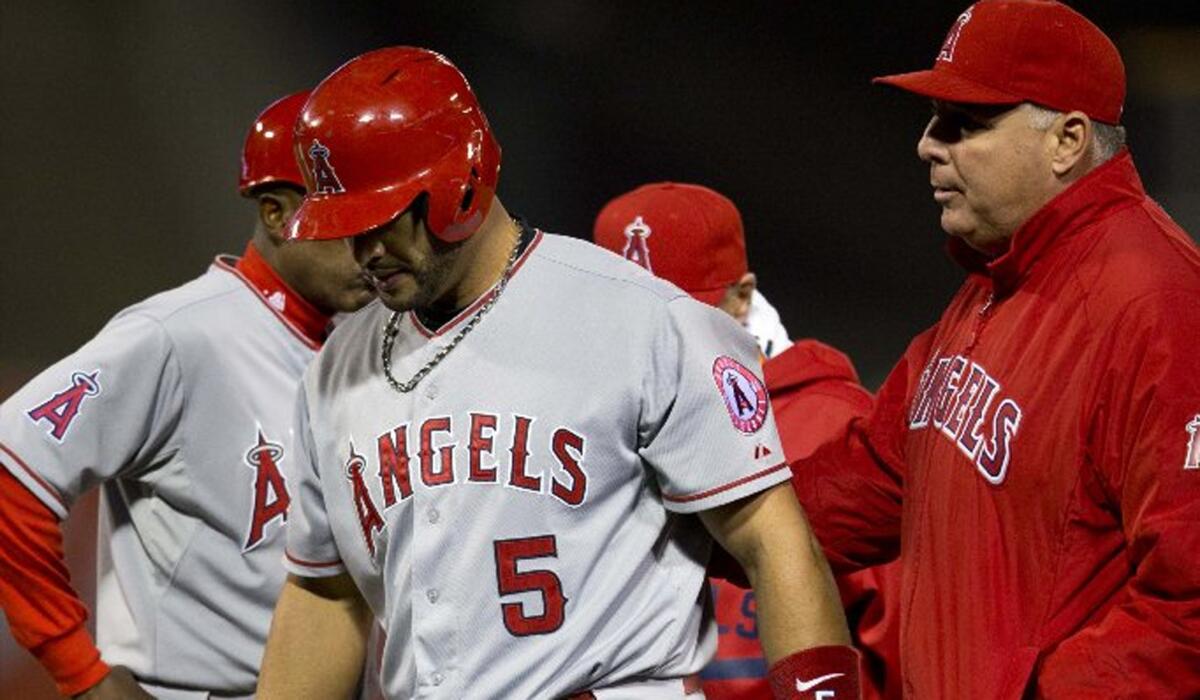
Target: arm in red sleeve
{"x":44,"y":613}
{"x":851,"y":487}
{"x":815,"y":393}
{"x":1148,"y":643}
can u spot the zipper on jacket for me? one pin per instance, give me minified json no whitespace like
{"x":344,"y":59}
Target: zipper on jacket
{"x":981,"y":319}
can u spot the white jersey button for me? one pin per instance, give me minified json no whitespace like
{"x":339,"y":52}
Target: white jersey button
{"x":434,"y":515}
{"x":432,"y":595}
{"x":437,"y":678}
{"x":431,"y":391}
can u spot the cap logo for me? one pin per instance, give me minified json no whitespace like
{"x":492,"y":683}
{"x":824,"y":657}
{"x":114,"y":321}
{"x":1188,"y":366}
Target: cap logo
{"x":951,"y":43}
{"x":636,"y":249}
{"x":744,"y":394}
{"x":325,"y":180}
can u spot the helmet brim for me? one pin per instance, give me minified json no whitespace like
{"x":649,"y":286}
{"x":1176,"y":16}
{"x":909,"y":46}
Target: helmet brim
{"x":324,"y":217}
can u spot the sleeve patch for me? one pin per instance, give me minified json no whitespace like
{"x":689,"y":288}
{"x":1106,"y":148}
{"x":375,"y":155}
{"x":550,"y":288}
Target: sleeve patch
{"x":61,"y":410}
{"x":744,"y":395}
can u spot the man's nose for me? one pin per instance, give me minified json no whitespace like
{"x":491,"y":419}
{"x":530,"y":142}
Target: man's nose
{"x":367,"y":247}
{"x":930,"y":148}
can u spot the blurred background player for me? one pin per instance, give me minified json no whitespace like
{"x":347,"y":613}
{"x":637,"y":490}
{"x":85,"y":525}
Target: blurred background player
{"x":693,"y":237}
{"x":179,"y":410}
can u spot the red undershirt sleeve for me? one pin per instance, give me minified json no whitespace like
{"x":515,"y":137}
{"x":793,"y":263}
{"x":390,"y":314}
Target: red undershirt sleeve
{"x":44,"y":613}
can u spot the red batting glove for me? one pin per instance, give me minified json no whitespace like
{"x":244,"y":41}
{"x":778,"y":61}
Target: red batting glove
{"x":820,"y":673}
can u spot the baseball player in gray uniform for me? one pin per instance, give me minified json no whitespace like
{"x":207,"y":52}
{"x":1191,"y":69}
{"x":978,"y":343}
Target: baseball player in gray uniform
{"x":180,"y":410}
{"x":515,"y":461}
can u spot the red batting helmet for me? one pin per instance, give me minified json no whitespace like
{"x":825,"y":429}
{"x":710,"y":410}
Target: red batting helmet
{"x":268,"y":156}
{"x":382,"y":130}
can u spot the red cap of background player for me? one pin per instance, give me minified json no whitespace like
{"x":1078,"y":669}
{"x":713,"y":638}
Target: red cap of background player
{"x":685,"y":234}
{"x":267,"y":156}
{"x":1011,"y":51}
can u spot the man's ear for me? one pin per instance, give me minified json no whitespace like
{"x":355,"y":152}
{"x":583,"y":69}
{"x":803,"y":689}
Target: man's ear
{"x":1072,"y":141}
{"x":275,"y":209}
{"x":737,"y":298}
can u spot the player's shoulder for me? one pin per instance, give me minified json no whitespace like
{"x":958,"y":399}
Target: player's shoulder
{"x":192,"y":297}
{"x":1141,"y":262}
{"x":217,"y":305}
{"x":591,"y":266}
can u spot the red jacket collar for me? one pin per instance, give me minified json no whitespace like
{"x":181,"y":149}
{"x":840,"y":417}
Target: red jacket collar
{"x":294,"y":310}
{"x":1113,"y":185}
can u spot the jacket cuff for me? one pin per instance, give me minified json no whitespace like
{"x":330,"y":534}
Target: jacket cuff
{"x":72,"y":660}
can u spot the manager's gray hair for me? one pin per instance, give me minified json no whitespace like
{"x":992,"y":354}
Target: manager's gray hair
{"x":1107,"y":139}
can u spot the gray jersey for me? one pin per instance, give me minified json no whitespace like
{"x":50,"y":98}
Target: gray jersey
{"x":523,"y":522}
{"x":182,"y":408}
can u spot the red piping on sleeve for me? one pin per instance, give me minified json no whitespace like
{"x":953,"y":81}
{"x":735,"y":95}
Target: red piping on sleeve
{"x":731,"y":485}
{"x":312,"y":564}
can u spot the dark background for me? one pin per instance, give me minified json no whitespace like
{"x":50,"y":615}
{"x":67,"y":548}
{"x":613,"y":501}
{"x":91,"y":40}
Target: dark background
{"x":121,"y":125}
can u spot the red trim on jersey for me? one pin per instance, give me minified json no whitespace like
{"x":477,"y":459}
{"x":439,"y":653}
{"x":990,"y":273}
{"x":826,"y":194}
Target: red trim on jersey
{"x":465,"y":313}
{"x":313,"y":564}
{"x":731,"y":485}
{"x":304,"y":320}
{"x":35,"y":476}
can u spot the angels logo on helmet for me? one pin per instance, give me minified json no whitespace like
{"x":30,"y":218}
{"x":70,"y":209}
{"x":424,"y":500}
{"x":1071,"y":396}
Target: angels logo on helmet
{"x":325,"y":180}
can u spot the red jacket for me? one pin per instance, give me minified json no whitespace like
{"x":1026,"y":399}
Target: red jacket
{"x":815,"y":394}
{"x":1036,"y":452}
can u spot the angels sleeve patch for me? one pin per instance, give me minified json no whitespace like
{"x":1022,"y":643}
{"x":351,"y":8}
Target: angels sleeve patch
{"x":60,"y":410}
{"x":744,"y":394}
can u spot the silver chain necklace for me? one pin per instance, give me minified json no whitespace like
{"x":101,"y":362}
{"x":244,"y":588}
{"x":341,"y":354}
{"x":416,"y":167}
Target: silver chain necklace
{"x":393,"y":329}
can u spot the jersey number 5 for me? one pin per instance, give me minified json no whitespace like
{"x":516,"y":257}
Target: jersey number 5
{"x":509,"y":581}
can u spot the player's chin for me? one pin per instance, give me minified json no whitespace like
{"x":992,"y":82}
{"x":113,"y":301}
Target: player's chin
{"x":354,"y":299}
{"x":399,"y":299}
{"x":955,"y":224}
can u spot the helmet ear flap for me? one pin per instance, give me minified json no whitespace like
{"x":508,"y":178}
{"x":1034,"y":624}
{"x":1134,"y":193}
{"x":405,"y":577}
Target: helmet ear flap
{"x":474,"y":159}
{"x":469,"y":193}
{"x":459,"y":201}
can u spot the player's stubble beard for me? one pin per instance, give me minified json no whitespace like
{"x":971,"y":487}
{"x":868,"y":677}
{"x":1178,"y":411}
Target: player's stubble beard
{"x":432,"y":284}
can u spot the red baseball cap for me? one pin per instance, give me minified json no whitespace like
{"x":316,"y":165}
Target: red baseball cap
{"x":1011,"y":51}
{"x":686,"y":234}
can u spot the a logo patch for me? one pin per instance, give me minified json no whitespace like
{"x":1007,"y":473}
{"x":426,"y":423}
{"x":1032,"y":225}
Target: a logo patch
{"x":325,"y":180}
{"x":61,"y":409}
{"x":951,"y":43}
{"x":368,"y":515}
{"x":636,"y":248}
{"x":271,"y":498}
{"x":744,"y":394}
{"x":1193,"y":453}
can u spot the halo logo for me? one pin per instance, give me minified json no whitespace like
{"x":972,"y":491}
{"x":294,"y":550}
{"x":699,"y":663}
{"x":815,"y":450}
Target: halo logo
{"x":744,"y":394}
{"x":61,"y":409}
{"x":636,"y":249}
{"x":951,"y":43}
{"x":325,"y":180}
{"x":271,"y":498}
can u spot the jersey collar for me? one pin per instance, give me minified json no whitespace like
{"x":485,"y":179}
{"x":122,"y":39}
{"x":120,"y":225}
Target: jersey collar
{"x":1114,"y":185}
{"x":301,"y":317}
{"x":466,"y":313}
